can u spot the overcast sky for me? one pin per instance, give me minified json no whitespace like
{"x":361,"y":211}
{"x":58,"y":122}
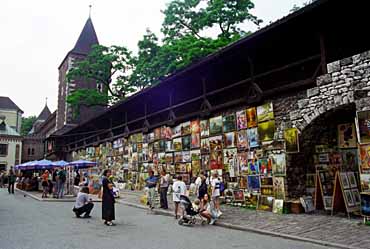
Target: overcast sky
{"x":37,"y":34}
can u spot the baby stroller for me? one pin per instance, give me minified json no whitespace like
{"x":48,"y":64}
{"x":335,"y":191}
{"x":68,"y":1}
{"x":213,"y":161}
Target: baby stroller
{"x":188,"y":213}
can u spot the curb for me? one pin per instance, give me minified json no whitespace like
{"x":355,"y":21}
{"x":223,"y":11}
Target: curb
{"x":48,"y":200}
{"x":248,"y":229}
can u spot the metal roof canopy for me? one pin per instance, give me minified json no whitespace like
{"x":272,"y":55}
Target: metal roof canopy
{"x":284,"y":56}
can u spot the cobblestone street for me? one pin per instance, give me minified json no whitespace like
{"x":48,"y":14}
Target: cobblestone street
{"x":336,"y":230}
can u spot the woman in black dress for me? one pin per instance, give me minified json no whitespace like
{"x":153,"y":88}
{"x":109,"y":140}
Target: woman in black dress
{"x":108,"y":199}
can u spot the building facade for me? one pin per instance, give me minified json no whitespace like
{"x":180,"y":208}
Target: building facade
{"x":11,"y":112}
{"x":10,"y":146}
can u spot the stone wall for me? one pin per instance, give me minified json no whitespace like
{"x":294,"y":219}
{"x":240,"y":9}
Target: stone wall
{"x":346,"y":83}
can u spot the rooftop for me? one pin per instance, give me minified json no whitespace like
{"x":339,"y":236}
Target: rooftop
{"x":7,"y":103}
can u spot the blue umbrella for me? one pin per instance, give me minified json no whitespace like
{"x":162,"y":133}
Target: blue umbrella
{"x":43,"y":164}
{"x":82,"y":164}
{"x":60,"y":163}
{"x":26,"y":165}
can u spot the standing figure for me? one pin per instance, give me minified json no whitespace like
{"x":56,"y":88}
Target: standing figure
{"x":108,"y":213}
{"x":62,"y":177}
{"x":216,"y":184}
{"x":179,"y":188}
{"x":54,"y":179}
{"x":11,"y":181}
{"x":45,"y":184}
{"x":151,"y":183}
{"x":164,"y":183}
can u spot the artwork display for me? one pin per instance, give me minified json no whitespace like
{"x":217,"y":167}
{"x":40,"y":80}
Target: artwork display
{"x":242,"y":140}
{"x":344,"y":179}
{"x":254,"y":183}
{"x":364,"y":158}
{"x":349,"y":198}
{"x":241,"y":120}
{"x":238,"y":195}
{"x":278,"y":164}
{"x":291,"y":140}
{"x":185,"y":128}
{"x":195,"y":140}
{"x":180,"y":167}
{"x":229,"y":122}
{"x":195,"y":126}
{"x":176,"y":131}
{"x":251,"y":117}
{"x":278,"y":206}
{"x":230,"y":140}
{"x":363,"y":124}
{"x":177,"y":144}
{"x":265,"y":203}
{"x":307,"y":204}
{"x":352,"y":179}
{"x":253,"y":167}
{"x":365,"y":205}
{"x":365,"y":182}
{"x":265,"y":112}
{"x":204,"y":128}
{"x":205,"y":162}
{"x":253,"y":137}
{"x":356,"y":197}
{"x":347,"y":136}
{"x":216,"y":160}
{"x":204,"y":146}
{"x":266,"y":131}
{"x":279,"y":187}
{"x":186,"y":156}
{"x":215,"y":143}
{"x":215,"y":125}
{"x":350,"y":160}
{"x":328,"y":202}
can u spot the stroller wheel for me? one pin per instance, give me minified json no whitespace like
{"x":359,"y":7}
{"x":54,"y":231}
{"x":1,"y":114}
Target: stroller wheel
{"x":181,"y":222}
{"x":204,"y":222}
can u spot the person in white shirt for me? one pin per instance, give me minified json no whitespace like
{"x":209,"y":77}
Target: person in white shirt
{"x":198,"y":182}
{"x":216,"y":183}
{"x":179,"y":188}
{"x":83,"y":203}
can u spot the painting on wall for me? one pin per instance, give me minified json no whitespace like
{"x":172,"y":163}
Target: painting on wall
{"x":176,"y":131}
{"x":177,"y":144}
{"x":241,"y":120}
{"x":291,"y":140}
{"x":195,"y":126}
{"x":254,"y":183}
{"x":350,"y":160}
{"x":204,"y":146}
{"x":185,"y":128}
{"x":363,"y":124}
{"x":205,"y":162}
{"x":229,"y":122}
{"x":253,"y":137}
{"x":216,"y":160}
{"x":204,"y":128}
{"x":265,"y":112}
{"x":349,"y":198}
{"x":195,"y":140}
{"x":278,"y":206}
{"x":215,"y":143}
{"x":242,"y":140}
{"x":279,"y":187}
{"x":364,"y":158}
{"x":230,"y":140}
{"x":215,"y":125}
{"x":278,"y":164}
{"x":365,"y":182}
{"x":347,"y":136}
{"x":186,"y":142}
{"x":251,"y":117}
{"x":266,"y":131}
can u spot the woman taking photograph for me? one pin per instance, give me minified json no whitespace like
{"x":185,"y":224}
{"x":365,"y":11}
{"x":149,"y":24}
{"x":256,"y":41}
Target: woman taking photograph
{"x":108,"y":213}
{"x":205,"y":210}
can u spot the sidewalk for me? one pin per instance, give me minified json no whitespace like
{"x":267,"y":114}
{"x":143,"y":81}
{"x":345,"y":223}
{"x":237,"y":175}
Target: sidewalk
{"x":37,"y":195}
{"x":319,"y":229}
{"x":315,"y":228}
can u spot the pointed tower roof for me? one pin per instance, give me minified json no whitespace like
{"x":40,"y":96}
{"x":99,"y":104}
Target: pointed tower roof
{"x":86,"y":40}
{"x":45,"y":113}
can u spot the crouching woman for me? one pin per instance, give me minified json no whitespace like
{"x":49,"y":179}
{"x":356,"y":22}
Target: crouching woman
{"x":207,"y":211}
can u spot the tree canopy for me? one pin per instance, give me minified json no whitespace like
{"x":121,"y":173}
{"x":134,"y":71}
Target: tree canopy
{"x":27,"y":123}
{"x":191,"y":30}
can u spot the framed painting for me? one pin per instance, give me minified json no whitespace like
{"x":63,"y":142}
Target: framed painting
{"x":216,"y":161}
{"x":215,"y":143}
{"x":265,"y":203}
{"x":180,"y":167}
{"x":278,"y":206}
{"x":356,"y":197}
{"x":252,"y":135}
{"x":352,"y":179}
{"x":279,"y":187}
{"x":242,"y":140}
{"x":349,"y":198}
{"x":204,"y":145}
{"x":291,"y":140}
{"x":265,"y":166}
{"x":307,"y":204}
{"x":266,"y":131}
{"x":365,"y":205}
{"x":169,"y":158}
{"x":363,"y":126}
{"x":229,"y":122}
{"x":185,"y":128}
{"x":230,"y":140}
{"x":278,"y":164}
{"x":205,"y":162}
{"x":195,"y":126}
{"x":230,"y":155}
{"x":195,"y":140}
{"x":177,"y":144}
{"x":215,"y":125}
{"x":350,"y":160}
{"x":195,"y":168}
{"x":241,"y":120}
{"x":364,"y":158}
{"x":195,"y":155}
{"x":186,"y":142}
{"x":169,"y":146}
{"x":347,"y":136}
{"x":254,"y":183}
{"x":238,"y":195}
{"x":186,"y":157}
{"x":251,"y":117}
{"x":176,"y":131}
{"x":344,"y":180}
{"x":365,"y":182}
{"x":253,"y":167}
{"x":265,"y":112}
{"x":243,"y":163}
{"x":328,"y":202}
{"x":157,"y":133}
{"x":204,"y":128}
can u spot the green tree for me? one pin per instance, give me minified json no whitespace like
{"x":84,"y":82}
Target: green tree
{"x":27,"y":123}
{"x":101,"y":66}
{"x":297,"y":7}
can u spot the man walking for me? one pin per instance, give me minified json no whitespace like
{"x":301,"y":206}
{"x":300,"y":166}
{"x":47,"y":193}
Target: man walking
{"x":54,"y":181}
{"x":11,"y":181}
{"x":62,"y":176}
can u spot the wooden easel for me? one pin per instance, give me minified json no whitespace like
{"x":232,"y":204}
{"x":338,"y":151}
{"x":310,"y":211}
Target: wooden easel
{"x":319,"y":195}
{"x":339,"y":202}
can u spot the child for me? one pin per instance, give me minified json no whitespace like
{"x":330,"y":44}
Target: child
{"x":196,"y":204}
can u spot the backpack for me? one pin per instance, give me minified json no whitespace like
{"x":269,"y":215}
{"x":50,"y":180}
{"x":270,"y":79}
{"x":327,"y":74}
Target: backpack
{"x":222,"y":187}
{"x":203,"y":189}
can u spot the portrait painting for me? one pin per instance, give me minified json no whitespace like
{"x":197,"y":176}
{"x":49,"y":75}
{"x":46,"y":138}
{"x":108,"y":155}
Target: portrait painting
{"x":177,"y":144}
{"x":204,"y":128}
{"x":204,"y":146}
{"x":347,"y":136}
{"x":251,"y":117}
{"x":195,"y":126}
{"x":230,"y":140}
{"x":242,"y":140}
{"x":195,"y":140}
{"x":241,"y":120}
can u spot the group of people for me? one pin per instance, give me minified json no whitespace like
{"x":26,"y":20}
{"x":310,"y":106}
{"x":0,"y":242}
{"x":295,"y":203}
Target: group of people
{"x":53,"y":183}
{"x":8,"y":178}
{"x":207,"y":207}
{"x":84,"y":205}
